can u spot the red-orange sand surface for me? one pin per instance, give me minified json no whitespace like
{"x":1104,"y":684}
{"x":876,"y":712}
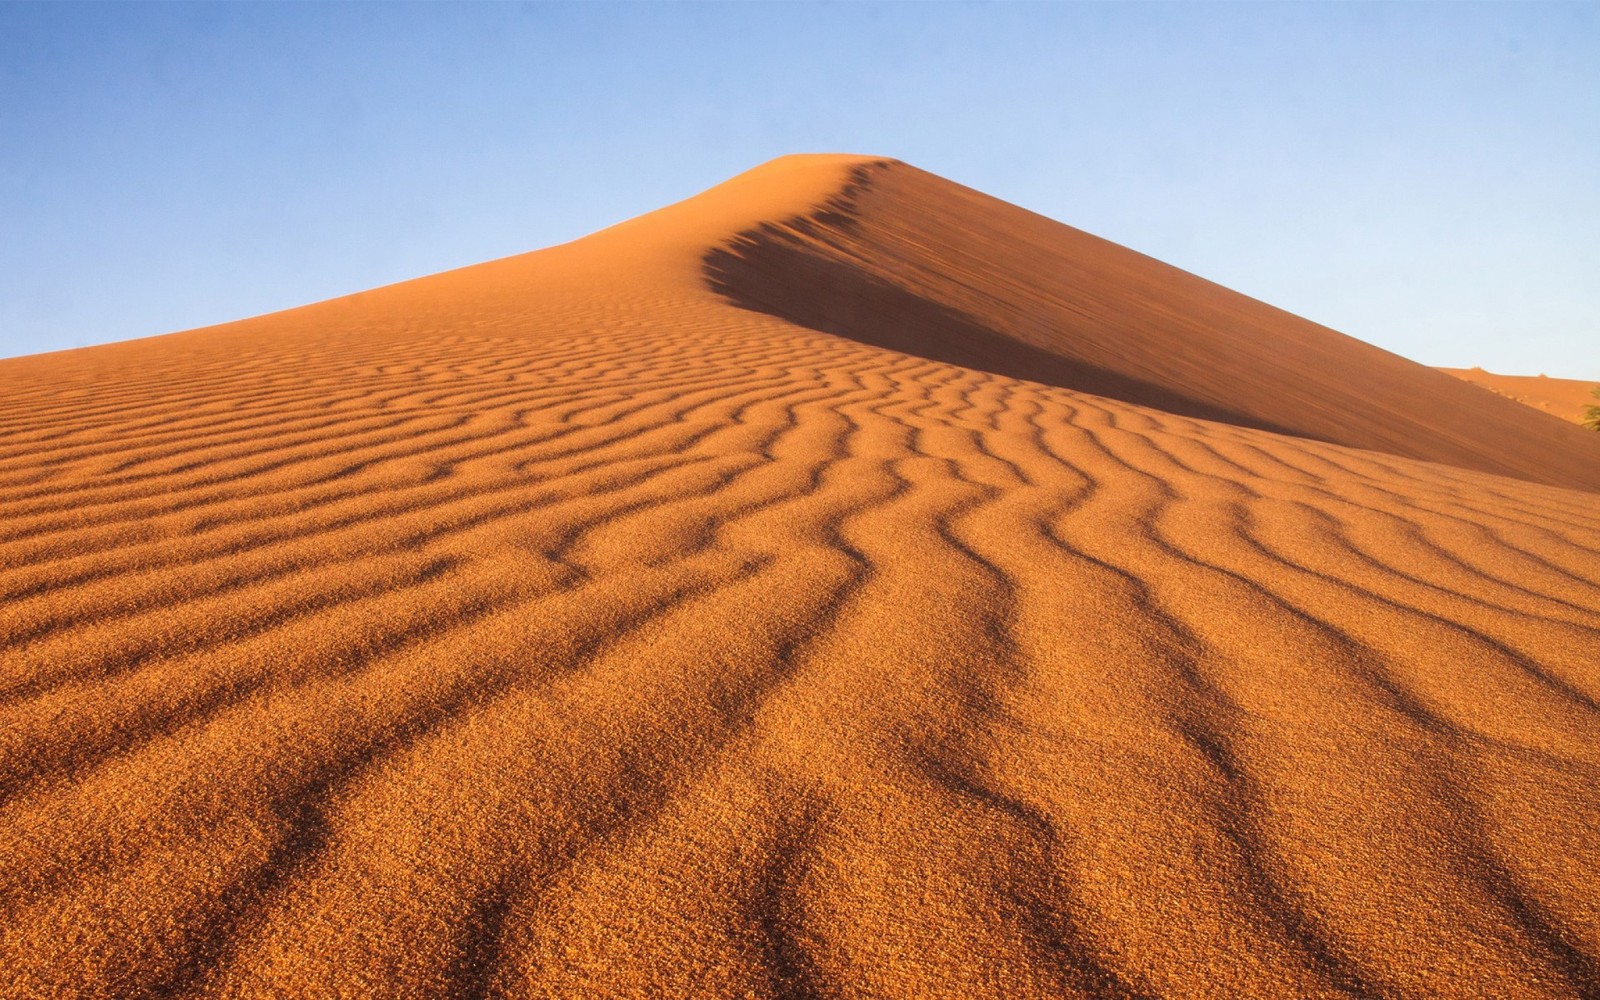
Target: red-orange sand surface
{"x":838,"y":584}
{"x":1567,"y":398}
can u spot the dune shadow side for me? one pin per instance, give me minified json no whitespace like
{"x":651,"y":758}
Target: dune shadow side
{"x":766,"y":270}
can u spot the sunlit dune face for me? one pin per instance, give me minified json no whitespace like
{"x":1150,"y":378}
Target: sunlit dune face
{"x":658,"y":615}
{"x":1567,"y":398}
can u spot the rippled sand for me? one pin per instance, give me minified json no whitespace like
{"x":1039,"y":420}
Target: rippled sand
{"x":838,"y":584}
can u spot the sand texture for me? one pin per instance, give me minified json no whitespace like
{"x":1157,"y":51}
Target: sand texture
{"x":1567,"y":398}
{"x":839,"y":584}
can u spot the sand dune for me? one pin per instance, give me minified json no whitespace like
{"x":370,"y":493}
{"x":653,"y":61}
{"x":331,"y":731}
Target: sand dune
{"x":837,"y":584}
{"x":1567,"y":398}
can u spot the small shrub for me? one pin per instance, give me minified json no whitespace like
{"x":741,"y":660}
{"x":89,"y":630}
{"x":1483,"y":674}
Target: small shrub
{"x":1591,"y":414}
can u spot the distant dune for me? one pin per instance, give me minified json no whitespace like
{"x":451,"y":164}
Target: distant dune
{"x":1566,"y":398}
{"x":840,"y":583}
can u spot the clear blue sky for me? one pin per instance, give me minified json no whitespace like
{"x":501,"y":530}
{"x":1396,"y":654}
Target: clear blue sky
{"x":1424,"y":177}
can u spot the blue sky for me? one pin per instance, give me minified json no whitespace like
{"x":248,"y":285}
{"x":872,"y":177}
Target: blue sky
{"x":1424,"y":177}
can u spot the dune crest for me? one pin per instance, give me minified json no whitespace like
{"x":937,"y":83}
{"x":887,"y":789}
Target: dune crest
{"x":835,"y":584}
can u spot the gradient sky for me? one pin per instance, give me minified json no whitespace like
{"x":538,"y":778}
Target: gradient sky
{"x":1424,"y":177}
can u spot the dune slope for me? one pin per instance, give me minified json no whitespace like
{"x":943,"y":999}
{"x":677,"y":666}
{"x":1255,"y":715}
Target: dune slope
{"x":917,"y":263}
{"x":624,"y":619}
{"x":1567,"y":398}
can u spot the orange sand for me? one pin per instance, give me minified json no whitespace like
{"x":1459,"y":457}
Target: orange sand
{"x":838,"y":584}
{"x":1566,"y":398}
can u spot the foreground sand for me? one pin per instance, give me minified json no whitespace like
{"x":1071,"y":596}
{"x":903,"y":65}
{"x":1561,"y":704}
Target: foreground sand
{"x":1567,"y":398}
{"x":632,"y":618}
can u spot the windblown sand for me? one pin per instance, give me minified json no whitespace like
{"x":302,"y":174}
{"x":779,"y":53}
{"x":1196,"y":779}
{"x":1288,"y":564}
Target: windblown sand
{"x":838,"y":584}
{"x":1567,"y":398}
